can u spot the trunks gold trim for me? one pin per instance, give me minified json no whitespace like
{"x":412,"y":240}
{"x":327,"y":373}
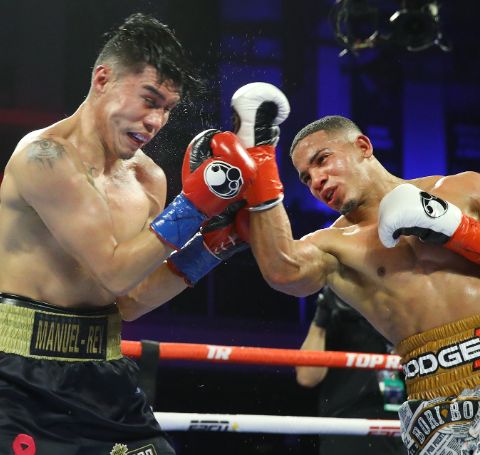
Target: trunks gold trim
{"x":443,"y":361}
{"x":32,"y":331}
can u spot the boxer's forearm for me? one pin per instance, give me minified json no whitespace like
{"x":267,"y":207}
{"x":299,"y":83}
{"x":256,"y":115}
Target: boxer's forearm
{"x":129,"y":262}
{"x":272,"y":243}
{"x":155,"y":290}
{"x":295,"y":267}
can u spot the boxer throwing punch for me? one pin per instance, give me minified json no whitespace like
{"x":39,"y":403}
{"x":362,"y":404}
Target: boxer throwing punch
{"x":85,"y":239}
{"x":404,"y":254}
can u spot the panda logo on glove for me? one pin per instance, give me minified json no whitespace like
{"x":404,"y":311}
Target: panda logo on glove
{"x":434,"y":207}
{"x":223,"y":179}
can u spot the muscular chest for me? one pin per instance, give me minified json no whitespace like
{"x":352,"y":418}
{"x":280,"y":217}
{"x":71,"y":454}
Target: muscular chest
{"x":405,"y":289}
{"x":387,"y":266}
{"x":127,"y":203}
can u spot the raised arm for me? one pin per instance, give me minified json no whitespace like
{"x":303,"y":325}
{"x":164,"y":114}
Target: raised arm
{"x":297,"y":267}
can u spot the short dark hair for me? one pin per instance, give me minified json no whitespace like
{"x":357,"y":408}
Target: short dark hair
{"x":330,"y":124}
{"x":142,"y":40}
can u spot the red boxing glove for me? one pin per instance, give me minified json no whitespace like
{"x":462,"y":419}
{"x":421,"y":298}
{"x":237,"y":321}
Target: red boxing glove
{"x":216,"y":171}
{"x":242,"y":224}
{"x":227,"y":230}
{"x":259,"y":108}
{"x":466,"y":239}
{"x":216,"y":242}
{"x":267,"y":190}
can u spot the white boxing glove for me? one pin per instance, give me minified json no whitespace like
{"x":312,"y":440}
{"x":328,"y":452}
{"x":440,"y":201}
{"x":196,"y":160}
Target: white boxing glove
{"x":407,"y":210}
{"x":259,"y":108}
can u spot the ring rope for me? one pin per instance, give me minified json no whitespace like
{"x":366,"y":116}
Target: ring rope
{"x":267,"y":356}
{"x":244,"y":423}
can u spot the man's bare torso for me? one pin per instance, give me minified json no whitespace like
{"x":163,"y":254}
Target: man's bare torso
{"x":34,"y":264}
{"x":407,"y":289}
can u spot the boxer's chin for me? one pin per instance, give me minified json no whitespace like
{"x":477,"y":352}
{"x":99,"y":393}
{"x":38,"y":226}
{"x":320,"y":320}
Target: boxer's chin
{"x":349,"y":207}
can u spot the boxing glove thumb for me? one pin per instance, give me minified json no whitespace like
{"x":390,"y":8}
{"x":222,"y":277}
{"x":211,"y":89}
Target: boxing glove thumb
{"x":258,"y":109}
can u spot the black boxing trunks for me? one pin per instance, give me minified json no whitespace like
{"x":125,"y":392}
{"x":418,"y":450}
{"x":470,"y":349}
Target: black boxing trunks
{"x":442,"y":374}
{"x":64,"y":386}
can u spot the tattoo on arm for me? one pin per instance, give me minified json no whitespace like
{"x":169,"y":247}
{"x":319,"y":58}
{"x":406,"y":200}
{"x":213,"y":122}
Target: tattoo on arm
{"x":45,"y":152}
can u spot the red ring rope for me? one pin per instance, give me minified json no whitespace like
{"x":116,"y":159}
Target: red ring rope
{"x":267,"y":356}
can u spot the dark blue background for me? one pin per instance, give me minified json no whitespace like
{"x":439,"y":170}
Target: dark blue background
{"x":421,"y":110}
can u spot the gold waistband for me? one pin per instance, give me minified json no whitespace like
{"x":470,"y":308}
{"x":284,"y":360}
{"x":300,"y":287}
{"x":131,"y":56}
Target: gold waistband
{"x":52,"y":333}
{"x":442,"y":361}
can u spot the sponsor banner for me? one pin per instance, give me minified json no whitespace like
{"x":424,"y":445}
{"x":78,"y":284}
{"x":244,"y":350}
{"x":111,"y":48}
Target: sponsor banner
{"x":451,"y":356}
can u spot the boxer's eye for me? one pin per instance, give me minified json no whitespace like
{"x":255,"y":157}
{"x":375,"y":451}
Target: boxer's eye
{"x":150,"y":102}
{"x":305,"y":178}
{"x":323,"y":157}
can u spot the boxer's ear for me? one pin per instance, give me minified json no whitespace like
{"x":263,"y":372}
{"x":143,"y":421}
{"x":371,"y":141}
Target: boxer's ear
{"x":102,"y":75}
{"x":363,"y":144}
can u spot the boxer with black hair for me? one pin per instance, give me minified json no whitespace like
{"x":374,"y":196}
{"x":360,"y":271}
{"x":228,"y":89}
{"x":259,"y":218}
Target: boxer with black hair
{"x":402,"y":253}
{"x":84,"y":239}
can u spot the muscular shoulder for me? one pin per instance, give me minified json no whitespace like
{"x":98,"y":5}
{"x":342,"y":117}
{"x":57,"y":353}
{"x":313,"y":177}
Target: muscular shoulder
{"x":456,"y":182}
{"x":325,"y":240}
{"x":341,"y":222}
{"x":328,"y":236}
{"x":50,"y":154}
{"x":464,"y":180}
{"x":44,"y":165}
{"x":426,"y":183}
{"x":37,"y":153}
{"x":149,"y":172}
{"x":152,"y":177}
{"x":462,"y":189}
{"x":52,"y":138}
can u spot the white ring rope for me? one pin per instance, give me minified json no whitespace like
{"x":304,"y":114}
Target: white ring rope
{"x":245,"y":423}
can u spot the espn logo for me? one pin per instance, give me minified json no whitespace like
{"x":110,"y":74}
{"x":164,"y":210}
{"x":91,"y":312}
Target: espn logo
{"x":209,"y":425}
